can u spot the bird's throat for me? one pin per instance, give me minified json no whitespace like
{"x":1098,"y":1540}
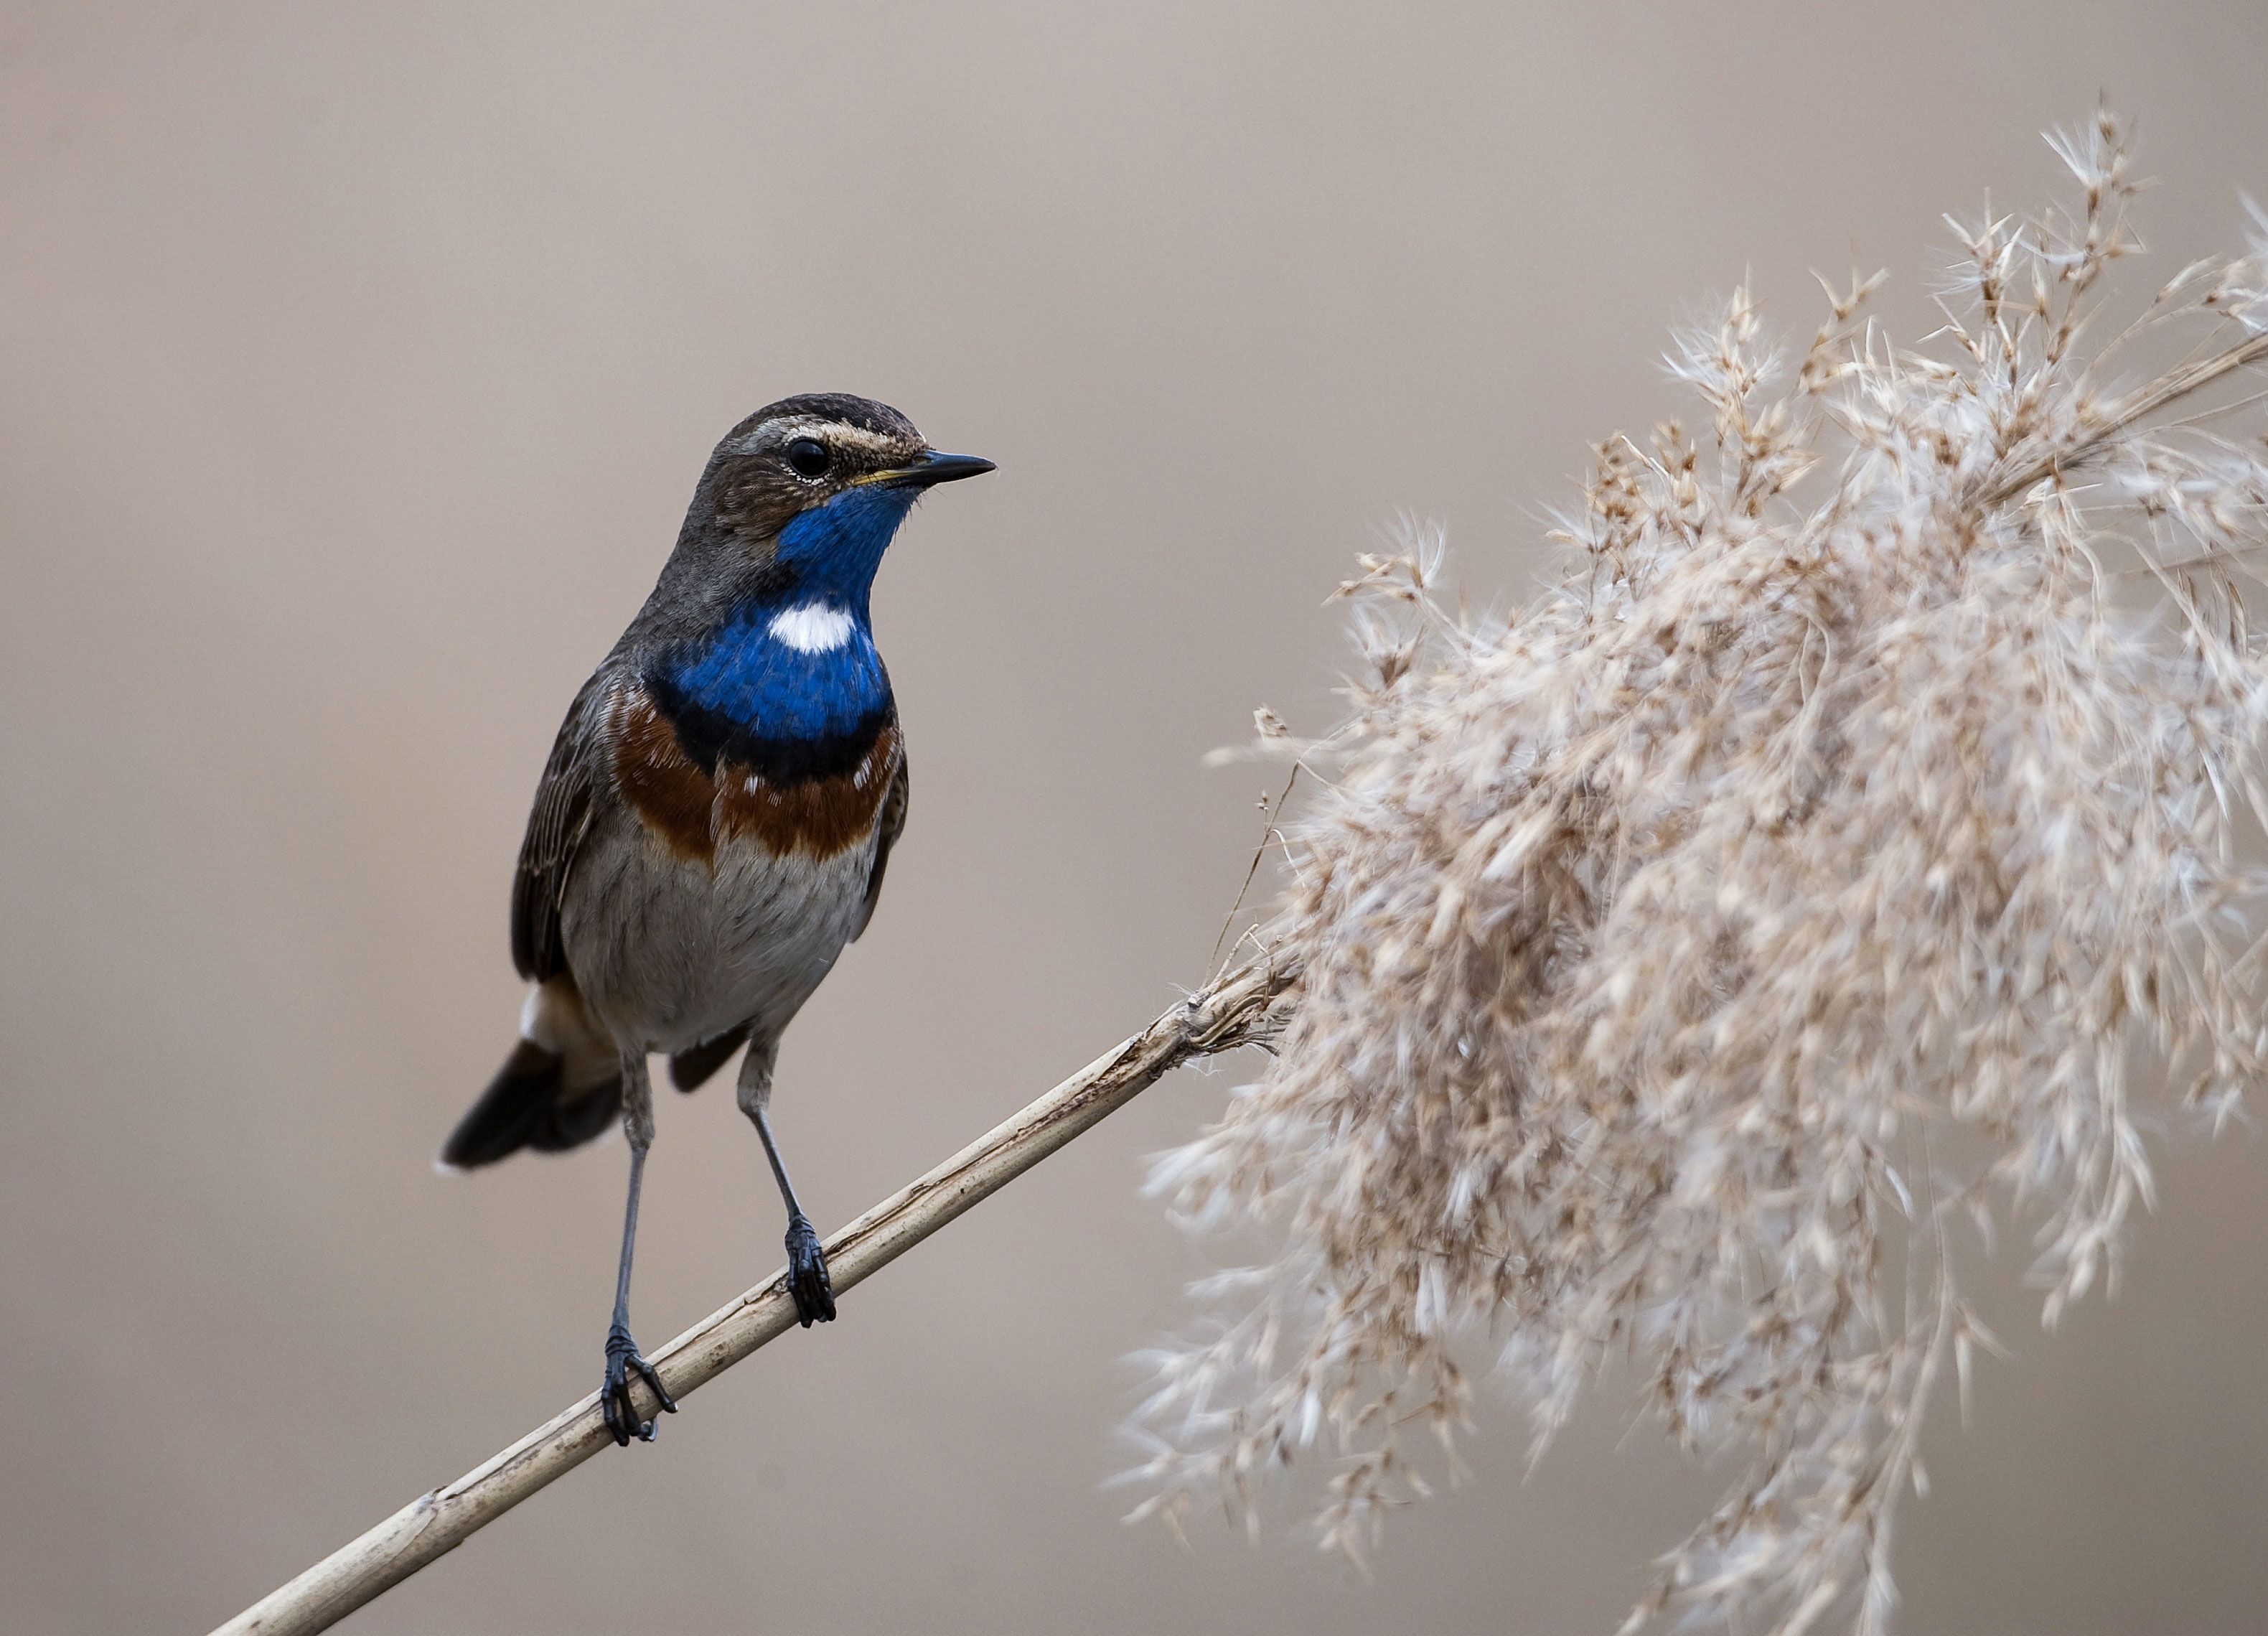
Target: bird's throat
{"x":804,"y":670}
{"x":834,"y":550}
{"x":793,"y":671}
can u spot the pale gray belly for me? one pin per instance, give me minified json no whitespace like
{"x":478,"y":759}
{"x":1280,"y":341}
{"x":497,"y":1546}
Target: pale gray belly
{"x":669,"y":952}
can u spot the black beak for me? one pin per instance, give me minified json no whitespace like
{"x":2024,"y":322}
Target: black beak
{"x":929,"y":470}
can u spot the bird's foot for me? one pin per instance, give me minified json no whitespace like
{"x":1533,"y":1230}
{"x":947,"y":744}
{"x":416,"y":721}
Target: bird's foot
{"x":806,"y":1273}
{"x":623,"y":1360}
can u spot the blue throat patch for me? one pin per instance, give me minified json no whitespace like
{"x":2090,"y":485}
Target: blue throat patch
{"x":769,"y":688}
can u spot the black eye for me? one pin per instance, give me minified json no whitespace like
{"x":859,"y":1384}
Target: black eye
{"x":808,"y":456}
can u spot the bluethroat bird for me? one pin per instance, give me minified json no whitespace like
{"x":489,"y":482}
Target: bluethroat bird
{"x":713,"y":824}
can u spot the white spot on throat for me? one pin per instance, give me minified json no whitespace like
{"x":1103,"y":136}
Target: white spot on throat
{"x":811,"y":627}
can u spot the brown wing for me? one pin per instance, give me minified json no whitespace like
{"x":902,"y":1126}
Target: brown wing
{"x":887,"y":829}
{"x":555,"y":827}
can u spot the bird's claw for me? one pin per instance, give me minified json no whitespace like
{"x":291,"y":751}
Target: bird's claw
{"x":622,"y":1360}
{"x":806,"y":1273}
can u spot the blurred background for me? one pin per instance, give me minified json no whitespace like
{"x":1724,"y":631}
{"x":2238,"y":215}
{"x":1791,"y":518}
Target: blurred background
{"x":358,"y":363}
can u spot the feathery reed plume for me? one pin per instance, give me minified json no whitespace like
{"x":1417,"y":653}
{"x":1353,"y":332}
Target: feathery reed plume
{"x":1813,"y":876}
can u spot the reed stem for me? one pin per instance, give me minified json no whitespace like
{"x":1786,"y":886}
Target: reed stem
{"x":1232,"y":1012}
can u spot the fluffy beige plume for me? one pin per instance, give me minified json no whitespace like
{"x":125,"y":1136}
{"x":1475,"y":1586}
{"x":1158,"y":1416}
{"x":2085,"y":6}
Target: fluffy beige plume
{"x":1694,"y":962}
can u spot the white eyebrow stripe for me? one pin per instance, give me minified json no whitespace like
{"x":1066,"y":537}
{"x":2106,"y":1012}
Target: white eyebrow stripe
{"x":777,"y":434}
{"x":811,"y":627}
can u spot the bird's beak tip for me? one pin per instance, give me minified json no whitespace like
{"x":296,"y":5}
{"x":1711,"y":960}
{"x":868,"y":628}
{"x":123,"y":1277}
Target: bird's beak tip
{"x":927,"y":470}
{"x":934,"y":468}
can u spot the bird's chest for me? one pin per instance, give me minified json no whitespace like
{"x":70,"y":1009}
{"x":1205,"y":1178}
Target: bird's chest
{"x":779,"y":735}
{"x":748,"y":801}
{"x":738,"y":869}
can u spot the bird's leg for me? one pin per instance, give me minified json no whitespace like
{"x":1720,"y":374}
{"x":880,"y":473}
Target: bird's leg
{"x":623,"y":1356}
{"x":807,"y":1263}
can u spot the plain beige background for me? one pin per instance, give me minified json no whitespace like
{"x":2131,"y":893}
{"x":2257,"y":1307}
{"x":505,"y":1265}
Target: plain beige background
{"x":358,"y":360}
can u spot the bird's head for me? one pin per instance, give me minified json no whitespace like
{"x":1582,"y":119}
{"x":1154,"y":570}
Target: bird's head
{"x":818,"y":483}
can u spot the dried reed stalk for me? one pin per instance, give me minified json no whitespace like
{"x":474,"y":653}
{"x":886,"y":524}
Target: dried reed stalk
{"x":1232,"y":1012}
{"x":1692,"y":961}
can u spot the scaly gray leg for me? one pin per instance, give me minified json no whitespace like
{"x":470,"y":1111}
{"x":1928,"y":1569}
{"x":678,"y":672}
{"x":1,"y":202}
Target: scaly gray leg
{"x":807,"y":1263}
{"x":622,"y":1355}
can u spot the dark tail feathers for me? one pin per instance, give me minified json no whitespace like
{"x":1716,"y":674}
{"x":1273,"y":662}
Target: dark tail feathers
{"x":689,"y":1070}
{"x":528,"y":1104}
